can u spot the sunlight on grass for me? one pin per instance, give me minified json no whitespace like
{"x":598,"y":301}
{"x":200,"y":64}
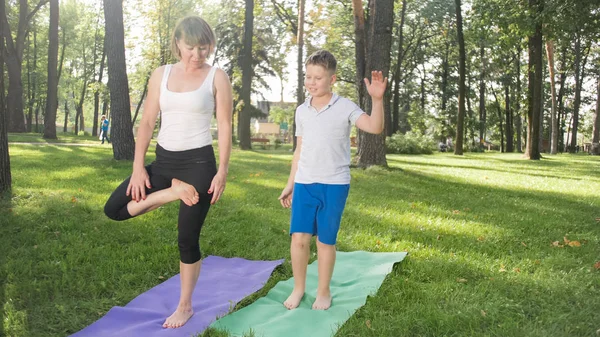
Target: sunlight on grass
{"x":487,"y":236}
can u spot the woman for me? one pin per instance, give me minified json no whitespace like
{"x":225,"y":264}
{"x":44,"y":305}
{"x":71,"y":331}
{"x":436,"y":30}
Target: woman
{"x":187,"y":94}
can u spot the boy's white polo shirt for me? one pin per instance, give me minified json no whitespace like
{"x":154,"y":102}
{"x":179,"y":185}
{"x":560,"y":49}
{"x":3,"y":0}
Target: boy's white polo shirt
{"x":325,"y":151}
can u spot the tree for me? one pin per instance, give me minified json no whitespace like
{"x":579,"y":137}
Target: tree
{"x":458,"y":148}
{"x":52,"y":90}
{"x":535,"y":72}
{"x":300,"y":64}
{"x":13,"y":59}
{"x":5,"y":176}
{"x":596,"y":127}
{"x":122,"y":129}
{"x":554,"y":120}
{"x":371,"y":148}
{"x":246,"y":63}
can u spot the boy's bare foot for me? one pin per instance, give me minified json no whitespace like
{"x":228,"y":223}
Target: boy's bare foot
{"x":323,"y":302}
{"x":186,"y":192}
{"x":293,"y":301}
{"x":178,"y":318}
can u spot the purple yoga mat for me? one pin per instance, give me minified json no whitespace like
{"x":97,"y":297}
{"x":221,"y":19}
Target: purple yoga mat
{"x":223,"y":282}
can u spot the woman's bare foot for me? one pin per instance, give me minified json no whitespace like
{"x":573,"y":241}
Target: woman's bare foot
{"x":178,"y":318}
{"x":323,"y":301}
{"x":293,"y":301}
{"x":184,"y":191}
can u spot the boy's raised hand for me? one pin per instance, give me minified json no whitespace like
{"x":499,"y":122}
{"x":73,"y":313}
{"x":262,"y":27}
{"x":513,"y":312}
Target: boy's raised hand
{"x":376,"y":88}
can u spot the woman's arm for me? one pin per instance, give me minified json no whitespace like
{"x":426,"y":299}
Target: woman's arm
{"x":224,"y":108}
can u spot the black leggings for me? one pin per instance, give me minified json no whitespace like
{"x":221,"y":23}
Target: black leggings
{"x":196,"y":167}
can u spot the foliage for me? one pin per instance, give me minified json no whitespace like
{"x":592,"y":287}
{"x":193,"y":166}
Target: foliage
{"x":410,"y":143}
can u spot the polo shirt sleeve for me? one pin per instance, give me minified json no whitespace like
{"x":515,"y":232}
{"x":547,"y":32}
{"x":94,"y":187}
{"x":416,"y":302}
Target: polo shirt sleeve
{"x":355,"y":112}
{"x":298,"y":121}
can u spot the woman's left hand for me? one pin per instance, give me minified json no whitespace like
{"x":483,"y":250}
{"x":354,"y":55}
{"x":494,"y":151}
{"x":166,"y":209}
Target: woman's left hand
{"x":217,"y":186}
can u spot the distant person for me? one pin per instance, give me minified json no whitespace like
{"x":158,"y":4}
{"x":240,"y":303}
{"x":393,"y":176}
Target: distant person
{"x":104,"y":129}
{"x":187,"y":94}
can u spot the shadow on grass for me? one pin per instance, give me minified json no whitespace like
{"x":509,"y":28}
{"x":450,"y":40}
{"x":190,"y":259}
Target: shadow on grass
{"x":6,"y":218}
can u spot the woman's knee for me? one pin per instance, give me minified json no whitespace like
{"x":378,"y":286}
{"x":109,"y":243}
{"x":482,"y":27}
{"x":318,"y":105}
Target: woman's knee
{"x":189,"y":252}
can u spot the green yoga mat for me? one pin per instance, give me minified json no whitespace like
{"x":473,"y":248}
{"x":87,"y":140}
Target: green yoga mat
{"x":356,"y":275}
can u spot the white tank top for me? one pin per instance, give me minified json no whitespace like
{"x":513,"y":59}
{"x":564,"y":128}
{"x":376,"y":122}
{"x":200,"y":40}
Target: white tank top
{"x":186,"y":116}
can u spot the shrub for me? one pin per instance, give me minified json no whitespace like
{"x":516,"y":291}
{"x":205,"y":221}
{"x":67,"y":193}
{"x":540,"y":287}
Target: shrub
{"x":410,"y":143}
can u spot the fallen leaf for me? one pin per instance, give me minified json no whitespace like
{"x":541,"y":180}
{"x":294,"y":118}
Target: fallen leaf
{"x":502,"y":268}
{"x":597,"y":265}
{"x":483,"y":313}
{"x":35,"y":247}
{"x":598,"y":219}
{"x":574,"y":244}
{"x":461,"y":280}
{"x":566,"y":240}
{"x":481,"y":238}
{"x":517,"y":270}
{"x":378,"y":242}
{"x":438,"y":237}
{"x":466,"y":209}
{"x":161,"y":277}
{"x":455,"y":211}
{"x":557,"y":244}
{"x":73,"y":199}
{"x":368,"y":323}
{"x":524,"y":244}
{"x":413,"y":205}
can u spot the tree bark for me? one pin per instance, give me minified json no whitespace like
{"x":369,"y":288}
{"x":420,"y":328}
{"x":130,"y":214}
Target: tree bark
{"x":246,"y":64}
{"x":121,"y":131}
{"x":137,"y":108}
{"x":458,"y":148}
{"x":561,"y":114}
{"x":519,"y":121}
{"x":553,"y":119}
{"x":372,"y":147}
{"x":482,"y":114}
{"x":535,"y":83}
{"x":396,"y":122}
{"x":596,"y":128}
{"x":5,"y":174}
{"x":300,"y":64}
{"x":510,"y":134}
{"x":52,"y":90}
{"x":97,"y":92}
{"x":66,"y":123}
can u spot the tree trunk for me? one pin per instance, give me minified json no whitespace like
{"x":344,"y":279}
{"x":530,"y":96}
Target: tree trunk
{"x":13,"y":57}
{"x":381,"y":18}
{"x":579,"y":77}
{"x":596,"y":128}
{"x":360,"y":49}
{"x":5,"y":176}
{"x":499,"y":110}
{"x":482,"y":114}
{"x":52,"y":90}
{"x":97,"y":92}
{"x":469,"y":107}
{"x":122,"y":133}
{"x":554,"y":120}
{"x":458,"y":148}
{"x":561,"y":114}
{"x":445,"y":72}
{"x":535,"y":83}
{"x":396,"y":122}
{"x":246,"y":63}
{"x":510,"y":134}
{"x":137,"y":108}
{"x":519,"y":121}
{"x":300,"y":64}
{"x":66,"y":125}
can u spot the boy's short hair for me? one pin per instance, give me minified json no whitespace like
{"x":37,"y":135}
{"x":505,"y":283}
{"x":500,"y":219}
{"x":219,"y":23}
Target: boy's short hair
{"x":103,"y":116}
{"x":195,"y":32}
{"x":324,"y":59}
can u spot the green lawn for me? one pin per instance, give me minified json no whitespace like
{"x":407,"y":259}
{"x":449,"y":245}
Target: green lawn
{"x":485,"y":235}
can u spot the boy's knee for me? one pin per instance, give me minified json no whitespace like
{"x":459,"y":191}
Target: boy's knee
{"x":301,"y":240}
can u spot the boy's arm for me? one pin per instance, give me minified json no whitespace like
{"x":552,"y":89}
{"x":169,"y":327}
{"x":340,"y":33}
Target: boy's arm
{"x":286,"y":196}
{"x":376,"y":88}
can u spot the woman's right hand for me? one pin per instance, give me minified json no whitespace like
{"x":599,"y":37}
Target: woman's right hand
{"x":137,"y":184}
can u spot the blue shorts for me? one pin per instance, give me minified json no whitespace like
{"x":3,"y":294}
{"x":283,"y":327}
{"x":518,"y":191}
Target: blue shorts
{"x":317,"y":209}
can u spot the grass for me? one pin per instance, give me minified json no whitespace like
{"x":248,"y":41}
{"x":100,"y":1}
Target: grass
{"x":485,"y":235}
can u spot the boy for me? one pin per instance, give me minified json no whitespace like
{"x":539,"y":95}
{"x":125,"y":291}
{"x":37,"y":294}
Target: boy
{"x":320,"y":176}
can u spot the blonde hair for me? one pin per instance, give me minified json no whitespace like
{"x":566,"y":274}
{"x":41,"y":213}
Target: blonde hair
{"x":195,"y":32}
{"x":324,"y":59}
